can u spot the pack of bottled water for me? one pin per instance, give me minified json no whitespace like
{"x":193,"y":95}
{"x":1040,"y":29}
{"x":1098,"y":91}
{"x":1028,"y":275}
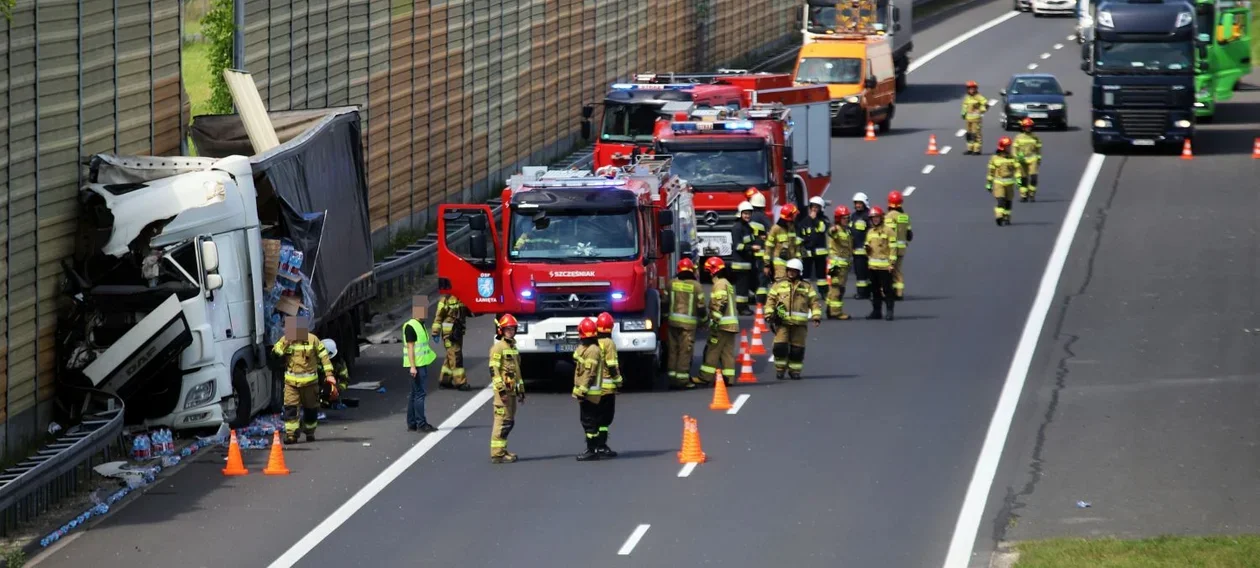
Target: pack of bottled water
{"x":141,"y":447}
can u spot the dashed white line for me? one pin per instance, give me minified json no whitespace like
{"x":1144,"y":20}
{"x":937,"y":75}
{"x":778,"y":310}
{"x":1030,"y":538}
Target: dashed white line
{"x":739,"y":403}
{"x":633,"y":541}
{"x":928,"y":168}
{"x":687,"y":469}
{"x":1032,"y":66}
{"x":969,"y":518}
{"x":909,"y":190}
{"x":1058,"y":46}
{"x":951,"y":44}
{"x":961,"y":132}
{"x":1045,"y":56}
{"x":993,"y":102}
{"x":945,"y":150}
{"x":1071,"y":38}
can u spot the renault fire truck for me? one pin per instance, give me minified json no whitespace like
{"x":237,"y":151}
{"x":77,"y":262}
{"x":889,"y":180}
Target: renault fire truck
{"x":780,"y":144}
{"x":571,"y":244}
{"x":632,"y":109}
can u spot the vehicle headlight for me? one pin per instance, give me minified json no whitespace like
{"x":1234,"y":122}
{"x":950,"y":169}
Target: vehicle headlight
{"x":852,"y":99}
{"x":1182,"y":123}
{"x":1055,"y":106}
{"x":1102,"y":123}
{"x":636,"y":325}
{"x":202,"y":394}
{"x":1018,"y":106}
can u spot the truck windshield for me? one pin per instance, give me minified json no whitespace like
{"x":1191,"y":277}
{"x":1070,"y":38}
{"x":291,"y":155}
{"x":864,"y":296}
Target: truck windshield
{"x":580,"y":235}
{"x":720,"y":169}
{"x":829,"y":71}
{"x":1142,"y":56}
{"x":629,"y":123}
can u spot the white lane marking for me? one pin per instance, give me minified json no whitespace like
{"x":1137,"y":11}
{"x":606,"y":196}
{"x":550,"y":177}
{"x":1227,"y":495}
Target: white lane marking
{"x":687,"y":469}
{"x":739,"y":403}
{"x":633,"y":540}
{"x":1058,"y":46}
{"x":1045,"y":56}
{"x":1071,"y":38}
{"x":928,"y":168}
{"x":963,"y":542}
{"x":945,"y":150}
{"x":961,"y":132}
{"x":951,"y":44}
{"x":909,"y":190}
{"x":1030,"y":66}
{"x":381,"y":481}
{"x":993,"y":102}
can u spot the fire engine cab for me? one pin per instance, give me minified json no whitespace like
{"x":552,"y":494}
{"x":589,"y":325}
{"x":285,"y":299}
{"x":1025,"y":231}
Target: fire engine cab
{"x":780,"y":145}
{"x":571,"y":244}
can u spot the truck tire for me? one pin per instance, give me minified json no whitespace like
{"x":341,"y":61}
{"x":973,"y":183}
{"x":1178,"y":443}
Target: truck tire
{"x":1099,"y":147}
{"x":901,"y":81}
{"x":886,"y":126}
{"x":277,"y":393}
{"x":244,"y":399}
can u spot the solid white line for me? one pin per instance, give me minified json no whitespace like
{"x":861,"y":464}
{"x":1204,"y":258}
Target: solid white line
{"x":961,"y":546}
{"x":739,"y":403}
{"x":945,"y":150}
{"x":961,"y":133}
{"x":1058,"y":46}
{"x":1045,"y":56}
{"x":928,"y":168}
{"x":1030,"y":66}
{"x":374,"y":487}
{"x":633,"y":540}
{"x":687,"y":469}
{"x":909,"y":190}
{"x":951,"y":44}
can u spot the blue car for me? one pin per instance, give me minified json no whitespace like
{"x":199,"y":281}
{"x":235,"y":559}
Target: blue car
{"x":1037,"y":96}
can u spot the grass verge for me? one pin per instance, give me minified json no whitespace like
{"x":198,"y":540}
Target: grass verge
{"x":1159,"y":552}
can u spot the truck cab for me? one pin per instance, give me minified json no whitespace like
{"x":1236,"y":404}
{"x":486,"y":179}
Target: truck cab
{"x":824,"y":19}
{"x":1224,"y":27}
{"x":1143,"y":56}
{"x":570,"y":244}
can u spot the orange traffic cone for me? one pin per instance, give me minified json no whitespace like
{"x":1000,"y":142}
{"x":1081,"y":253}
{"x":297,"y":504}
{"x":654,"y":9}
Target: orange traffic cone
{"x":1255,"y":150}
{"x":275,"y":462}
{"x":757,"y":347}
{"x":721,"y":401}
{"x":759,"y":321}
{"x":1186,"y":153}
{"x":691,"y":452}
{"x":746,"y":374}
{"x":235,"y":465}
{"x":870,"y":130}
{"x":743,"y":345}
{"x":932,"y":151}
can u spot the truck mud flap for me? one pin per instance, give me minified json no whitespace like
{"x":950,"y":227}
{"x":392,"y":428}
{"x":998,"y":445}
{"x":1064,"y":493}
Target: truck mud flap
{"x":140,"y":355}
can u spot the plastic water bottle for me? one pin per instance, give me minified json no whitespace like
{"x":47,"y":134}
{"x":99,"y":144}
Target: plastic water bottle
{"x":145,"y":447}
{"x":168,"y":441}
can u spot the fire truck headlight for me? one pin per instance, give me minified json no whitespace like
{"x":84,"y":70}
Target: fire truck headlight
{"x":636,"y":325}
{"x":618,"y":296}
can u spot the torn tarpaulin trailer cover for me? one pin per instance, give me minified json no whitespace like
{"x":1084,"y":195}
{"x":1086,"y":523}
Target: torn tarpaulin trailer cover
{"x":317,"y":173}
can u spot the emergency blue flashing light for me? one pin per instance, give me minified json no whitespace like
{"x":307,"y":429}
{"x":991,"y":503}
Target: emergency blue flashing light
{"x":651,"y":86}
{"x":527,"y":294}
{"x":618,"y":296}
{"x":728,"y":125}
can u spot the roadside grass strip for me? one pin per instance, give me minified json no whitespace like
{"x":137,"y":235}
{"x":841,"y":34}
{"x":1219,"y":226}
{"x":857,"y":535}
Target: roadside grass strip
{"x":1159,"y":552}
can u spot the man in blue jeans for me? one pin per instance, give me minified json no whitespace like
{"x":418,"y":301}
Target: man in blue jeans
{"x":417,"y":355}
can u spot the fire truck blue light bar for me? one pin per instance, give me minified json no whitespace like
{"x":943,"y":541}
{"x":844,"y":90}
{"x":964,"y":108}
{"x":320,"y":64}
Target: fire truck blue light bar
{"x":729,"y":125}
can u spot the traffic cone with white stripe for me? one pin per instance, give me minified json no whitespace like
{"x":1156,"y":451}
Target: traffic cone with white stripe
{"x":746,"y":374}
{"x":759,"y":320}
{"x":1186,"y":153}
{"x":1255,"y":150}
{"x":870,"y":130}
{"x":932,"y":151}
{"x":757,"y":347}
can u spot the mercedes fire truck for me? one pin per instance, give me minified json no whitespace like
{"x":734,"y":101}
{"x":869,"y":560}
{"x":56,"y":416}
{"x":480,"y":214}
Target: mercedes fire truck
{"x":571,"y":244}
{"x":1143,"y":57}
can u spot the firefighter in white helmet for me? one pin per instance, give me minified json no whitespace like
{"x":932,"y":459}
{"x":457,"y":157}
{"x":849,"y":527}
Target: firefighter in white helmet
{"x":744,"y":254}
{"x":812,"y":228}
{"x":859,"y":222}
{"x":791,"y":305}
{"x":760,"y":223}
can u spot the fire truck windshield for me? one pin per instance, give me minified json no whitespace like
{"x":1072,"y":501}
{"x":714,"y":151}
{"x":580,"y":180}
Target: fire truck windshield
{"x":575,"y":236}
{"x":720,"y":169}
{"x":629,"y":122}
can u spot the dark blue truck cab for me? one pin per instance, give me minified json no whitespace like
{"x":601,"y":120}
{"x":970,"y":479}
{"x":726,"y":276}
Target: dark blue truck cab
{"x":1143,"y":56}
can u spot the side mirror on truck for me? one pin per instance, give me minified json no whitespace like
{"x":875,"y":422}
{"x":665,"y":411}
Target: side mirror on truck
{"x":209,"y":256}
{"x":477,"y":222}
{"x":896,"y":14}
{"x":477,"y":246}
{"x":667,"y":241}
{"x":588,"y":110}
{"x":586,"y":130}
{"x":665,"y":218}
{"x":870,"y":83}
{"x":787,"y":158}
{"x":213,"y":282}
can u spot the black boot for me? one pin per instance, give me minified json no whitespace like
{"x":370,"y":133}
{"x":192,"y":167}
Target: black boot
{"x":589,"y":454}
{"x":795,"y":376}
{"x":889,"y":317}
{"x":779,"y":374}
{"x":875,"y":314}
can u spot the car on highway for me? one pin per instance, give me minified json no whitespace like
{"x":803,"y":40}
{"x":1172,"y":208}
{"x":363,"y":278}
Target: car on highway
{"x":1041,"y":8}
{"x":1037,"y":96}
{"x":1022,"y":5}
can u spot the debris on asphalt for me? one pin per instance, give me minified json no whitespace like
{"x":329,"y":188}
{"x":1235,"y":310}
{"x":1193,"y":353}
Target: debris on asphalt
{"x":1082,"y":504}
{"x":365,"y":386}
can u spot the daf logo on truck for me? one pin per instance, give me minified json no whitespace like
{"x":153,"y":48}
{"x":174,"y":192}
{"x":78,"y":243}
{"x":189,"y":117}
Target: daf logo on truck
{"x":570,"y":273}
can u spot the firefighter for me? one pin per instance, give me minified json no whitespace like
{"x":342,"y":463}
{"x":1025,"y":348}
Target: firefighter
{"x":449,"y":323}
{"x":899,"y":222}
{"x":719,"y":352}
{"x":329,"y":394}
{"x":858,"y":225}
{"x":686,"y":301}
{"x":1027,"y":147}
{"x":881,"y":252}
{"x":611,"y":382}
{"x":304,"y":355}
{"x":840,"y":250}
{"x":742,"y":263}
{"x":783,"y":241}
{"x":974,"y":105}
{"x":813,"y":232}
{"x":792,"y":303}
{"x":1002,"y":180}
{"x":761,"y":226}
{"x":589,"y":378}
{"x":509,"y":389}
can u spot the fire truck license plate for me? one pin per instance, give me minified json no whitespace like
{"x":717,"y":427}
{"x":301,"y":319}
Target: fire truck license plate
{"x":566,"y":346}
{"x":714,"y":242}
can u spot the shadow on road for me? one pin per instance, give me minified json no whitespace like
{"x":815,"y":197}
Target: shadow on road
{"x":927,"y":93}
{"x":627,"y":454}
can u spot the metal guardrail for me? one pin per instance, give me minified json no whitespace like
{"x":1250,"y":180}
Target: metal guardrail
{"x":56,"y":471}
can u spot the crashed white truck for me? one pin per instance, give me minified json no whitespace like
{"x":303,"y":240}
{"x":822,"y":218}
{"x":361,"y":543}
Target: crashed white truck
{"x":167,"y":281}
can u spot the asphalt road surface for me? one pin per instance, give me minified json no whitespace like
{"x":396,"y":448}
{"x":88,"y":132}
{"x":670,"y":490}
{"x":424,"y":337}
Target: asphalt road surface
{"x":1142,"y":396}
{"x":866,"y":462}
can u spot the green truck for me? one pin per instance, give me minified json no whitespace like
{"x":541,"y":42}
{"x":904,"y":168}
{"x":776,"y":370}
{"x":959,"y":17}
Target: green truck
{"x":1225,"y":28}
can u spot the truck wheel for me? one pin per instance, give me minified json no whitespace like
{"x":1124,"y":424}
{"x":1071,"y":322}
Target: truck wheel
{"x":277,"y":393}
{"x":244,"y":399}
{"x":1099,"y":147}
{"x":901,"y":82}
{"x":886,"y":125}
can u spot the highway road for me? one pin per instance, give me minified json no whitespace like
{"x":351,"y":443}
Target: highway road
{"x":866,"y":462}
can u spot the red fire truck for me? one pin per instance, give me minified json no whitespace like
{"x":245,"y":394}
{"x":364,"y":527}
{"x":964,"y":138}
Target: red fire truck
{"x":571,"y":244}
{"x":632,"y":109}
{"x":780,"y":144}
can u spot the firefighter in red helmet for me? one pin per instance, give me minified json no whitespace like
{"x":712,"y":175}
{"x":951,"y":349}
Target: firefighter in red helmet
{"x":839,"y":255}
{"x":899,"y":222}
{"x":974,"y":105}
{"x":509,"y":388}
{"x":783,"y":242}
{"x":686,"y":304}
{"x":1003,"y":180}
{"x":719,"y":352}
{"x":1027,"y":149}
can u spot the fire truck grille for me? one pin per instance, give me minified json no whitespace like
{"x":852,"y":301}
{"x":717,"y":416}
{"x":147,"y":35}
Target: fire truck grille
{"x":716,"y":220}
{"x":585,"y":303}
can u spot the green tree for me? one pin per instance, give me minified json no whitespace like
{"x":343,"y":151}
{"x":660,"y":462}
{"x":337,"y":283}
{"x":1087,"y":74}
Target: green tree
{"x":218,"y":29}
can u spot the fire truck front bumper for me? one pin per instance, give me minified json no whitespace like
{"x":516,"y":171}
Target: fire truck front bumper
{"x":632,"y":334}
